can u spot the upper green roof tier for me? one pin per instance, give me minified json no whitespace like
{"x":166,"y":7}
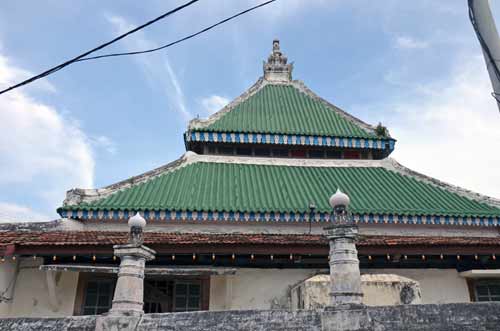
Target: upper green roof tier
{"x":284,"y":109}
{"x":278,"y":105}
{"x":276,"y":189}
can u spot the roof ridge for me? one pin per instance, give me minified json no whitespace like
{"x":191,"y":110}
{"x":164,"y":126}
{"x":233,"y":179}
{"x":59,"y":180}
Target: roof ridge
{"x":394,"y":165}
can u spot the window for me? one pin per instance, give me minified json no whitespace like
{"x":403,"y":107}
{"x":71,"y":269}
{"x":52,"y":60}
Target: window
{"x":351,"y":155}
{"x":334,"y":154}
{"x":226,"y":150}
{"x":280,"y":152}
{"x":487,"y":290}
{"x":262,"y":152}
{"x":212,"y":150}
{"x":167,"y":295}
{"x":158,"y":296}
{"x":187,"y":296}
{"x":161,"y":294}
{"x":98,"y":297}
{"x":244,"y":151}
{"x":299,"y":153}
{"x":316,"y":154}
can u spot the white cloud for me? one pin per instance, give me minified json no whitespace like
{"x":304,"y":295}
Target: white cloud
{"x":213,"y":103}
{"x":152,"y":66}
{"x":11,"y":212}
{"x":40,"y":148}
{"x":450,"y":129}
{"x":105,"y":143}
{"x":406,"y":42}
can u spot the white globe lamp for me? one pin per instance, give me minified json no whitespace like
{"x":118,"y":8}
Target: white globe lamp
{"x":339,"y":199}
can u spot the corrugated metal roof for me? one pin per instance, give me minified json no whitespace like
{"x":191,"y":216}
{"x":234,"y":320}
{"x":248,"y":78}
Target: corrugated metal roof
{"x":237,"y":187}
{"x":284,"y":109}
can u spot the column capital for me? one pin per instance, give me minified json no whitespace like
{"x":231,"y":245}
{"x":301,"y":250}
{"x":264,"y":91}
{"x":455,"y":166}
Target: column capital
{"x":335,"y":231}
{"x":133,"y":250}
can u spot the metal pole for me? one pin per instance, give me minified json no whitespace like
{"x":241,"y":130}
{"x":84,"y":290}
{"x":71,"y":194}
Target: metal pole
{"x":487,"y":34}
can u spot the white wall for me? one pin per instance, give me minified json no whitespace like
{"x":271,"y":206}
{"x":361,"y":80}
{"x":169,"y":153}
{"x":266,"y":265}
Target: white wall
{"x":255,"y":288}
{"x":8,"y":271}
{"x":270,"y":288}
{"x":31,"y":296}
{"x":437,"y":285}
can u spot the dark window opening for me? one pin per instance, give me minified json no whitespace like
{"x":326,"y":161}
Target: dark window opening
{"x":161,"y":296}
{"x":226,"y":150}
{"x":316,"y":154}
{"x":299,"y":153}
{"x":280,"y":152}
{"x":244,"y":151}
{"x":212,"y":150}
{"x":98,"y":297}
{"x":334,"y":154}
{"x":262,"y":152}
{"x":187,"y":296}
{"x":351,"y":155}
{"x":487,"y":290}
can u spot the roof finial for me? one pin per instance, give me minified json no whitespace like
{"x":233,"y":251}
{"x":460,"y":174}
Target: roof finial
{"x":276,"y":67}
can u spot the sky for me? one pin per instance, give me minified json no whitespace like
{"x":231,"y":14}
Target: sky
{"x":415,"y":66}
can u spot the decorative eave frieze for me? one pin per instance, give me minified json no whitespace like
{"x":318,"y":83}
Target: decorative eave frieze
{"x":289,"y":139}
{"x":277,"y":217}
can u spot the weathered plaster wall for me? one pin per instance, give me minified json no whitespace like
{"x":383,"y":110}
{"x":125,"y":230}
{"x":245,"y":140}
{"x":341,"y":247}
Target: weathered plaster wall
{"x":31,"y":295}
{"x":436,"y":285}
{"x":271,"y":288}
{"x":256,"y":288}
{"x":448,"y":317}
{"x":8,"y":270}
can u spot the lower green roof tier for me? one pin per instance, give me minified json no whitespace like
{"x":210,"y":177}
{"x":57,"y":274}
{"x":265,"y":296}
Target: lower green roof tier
{"x":240,"y":185}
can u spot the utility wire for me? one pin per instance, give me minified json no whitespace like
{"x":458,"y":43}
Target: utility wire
{"x":178,"y":40}
{"x":67,"y":63}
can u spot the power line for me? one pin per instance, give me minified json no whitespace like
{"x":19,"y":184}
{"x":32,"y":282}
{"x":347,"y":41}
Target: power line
{"x":67,"y":63}
{"x":178,"y":40}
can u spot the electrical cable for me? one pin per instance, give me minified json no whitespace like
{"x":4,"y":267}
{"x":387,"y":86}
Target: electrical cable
{"x":178,"y":40}
{"x":75,"y":59}
{"x":484,"y":46}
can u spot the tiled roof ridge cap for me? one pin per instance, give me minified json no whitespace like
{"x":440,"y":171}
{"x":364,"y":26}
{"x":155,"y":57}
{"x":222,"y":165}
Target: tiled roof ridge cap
{"x":301,"y":86}
{"x":199,"y":123}
{"x":392,"y":164}
{"x":77,"y":196}
{"x":291,"y":162}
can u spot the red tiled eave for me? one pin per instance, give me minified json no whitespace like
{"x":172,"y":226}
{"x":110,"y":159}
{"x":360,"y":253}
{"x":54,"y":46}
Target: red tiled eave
{"x":100,"y":238}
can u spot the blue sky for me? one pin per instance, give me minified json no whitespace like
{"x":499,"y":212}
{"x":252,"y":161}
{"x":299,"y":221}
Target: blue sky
{"x":416,"y":66}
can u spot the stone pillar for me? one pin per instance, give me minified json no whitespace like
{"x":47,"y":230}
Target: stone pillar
{"x":344,"y":264}
{"x":129,"y":292}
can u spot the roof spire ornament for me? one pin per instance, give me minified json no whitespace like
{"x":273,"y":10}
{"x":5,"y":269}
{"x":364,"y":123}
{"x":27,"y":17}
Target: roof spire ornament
{"x":276,"y":69}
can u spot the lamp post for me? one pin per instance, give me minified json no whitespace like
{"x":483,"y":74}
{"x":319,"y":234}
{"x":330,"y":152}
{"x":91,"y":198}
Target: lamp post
{"x":129,"y":291}
{"x":345,"y":277}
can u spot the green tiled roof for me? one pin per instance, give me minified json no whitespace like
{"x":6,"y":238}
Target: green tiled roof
{"x":210,"y":186}
{"x":283,"y":109}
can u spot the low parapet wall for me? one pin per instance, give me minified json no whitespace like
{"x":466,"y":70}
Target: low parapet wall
{"x":446,"y":317}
